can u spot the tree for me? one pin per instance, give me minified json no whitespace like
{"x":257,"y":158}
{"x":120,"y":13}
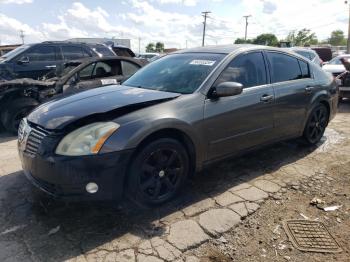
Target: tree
{"x":159,"y":47}
{"x":266,"y":39}
{"x":337,"y":38}
{"x":150,"y":48}
{"x":303,"y":37}
{"x":242,"y":41}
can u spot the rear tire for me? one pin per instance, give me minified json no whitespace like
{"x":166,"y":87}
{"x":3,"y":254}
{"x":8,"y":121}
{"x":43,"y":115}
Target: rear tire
{"x":15,"y":111}
{"x":316,"y":125}
{"x":157,"y":172}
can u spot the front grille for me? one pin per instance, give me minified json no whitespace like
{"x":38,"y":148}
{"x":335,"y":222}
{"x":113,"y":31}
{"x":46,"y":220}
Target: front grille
{"x":36,"y":135}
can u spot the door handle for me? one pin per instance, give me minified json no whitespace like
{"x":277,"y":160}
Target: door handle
{"x":309,"y":89}
{"x":266,"y":98}
{"x":51,"y":66}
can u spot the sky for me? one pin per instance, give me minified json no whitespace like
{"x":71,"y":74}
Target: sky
{"x":176,"y":23}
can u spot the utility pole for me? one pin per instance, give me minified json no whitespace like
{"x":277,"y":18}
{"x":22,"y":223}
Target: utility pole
{"x":21,"y":35}
{"x":139,"y":45}
{"x":246,"y":26}
{"x":205,"y":15}
{"x":186,"y":44}
{"x":348,"y":45}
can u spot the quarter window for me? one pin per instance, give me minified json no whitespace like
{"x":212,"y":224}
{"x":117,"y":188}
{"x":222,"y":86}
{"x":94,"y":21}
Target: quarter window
{"x":248,"y":69}
{"x":128,"y":68}
{"x":283,"y":67}
{"x":305,"y":71}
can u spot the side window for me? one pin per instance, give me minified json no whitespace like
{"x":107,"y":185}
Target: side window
{"x":72,"y":52}
{"x":283,"y":67}
{"x":102,"y":70}
{"x":248,"y":69}
{"x":86,"y":72}
{"x":128,"y":68}
{"x":305,"y":70}
{"x":41,"y":53}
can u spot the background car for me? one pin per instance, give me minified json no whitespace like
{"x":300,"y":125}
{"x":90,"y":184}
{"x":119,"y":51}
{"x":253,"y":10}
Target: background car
{"x":147,"y":56}
{"x":309,"y":54}
{"x":18,"y":97}
{"x":172,"y":118}
{"x":335,"y":66}
{"x":324,"y":52}
{"x":36,"y":60}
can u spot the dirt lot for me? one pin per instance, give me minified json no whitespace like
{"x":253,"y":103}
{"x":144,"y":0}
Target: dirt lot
{"x":233,"y":212}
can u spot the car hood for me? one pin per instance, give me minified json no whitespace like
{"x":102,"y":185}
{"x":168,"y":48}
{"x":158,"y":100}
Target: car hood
{"x":334,"y":68}
{"x":100,"y":104}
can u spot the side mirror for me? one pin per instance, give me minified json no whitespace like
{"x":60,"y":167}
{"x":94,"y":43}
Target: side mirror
{"x":23,"y":60}
{"x":227,"y":89}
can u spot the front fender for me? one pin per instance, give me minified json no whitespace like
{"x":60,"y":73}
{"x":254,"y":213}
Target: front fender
{"x":131,"y":135}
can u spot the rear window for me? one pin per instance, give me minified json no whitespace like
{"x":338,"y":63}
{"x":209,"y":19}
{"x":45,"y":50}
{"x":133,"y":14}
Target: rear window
{"x":283,"y":67}
{"x":73,"y":52}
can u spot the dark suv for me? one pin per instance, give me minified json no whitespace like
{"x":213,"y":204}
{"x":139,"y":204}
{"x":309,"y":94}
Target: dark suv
{"x":36,"y":60}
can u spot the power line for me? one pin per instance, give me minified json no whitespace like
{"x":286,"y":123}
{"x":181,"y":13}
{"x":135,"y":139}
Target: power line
{"x":205,"y":15}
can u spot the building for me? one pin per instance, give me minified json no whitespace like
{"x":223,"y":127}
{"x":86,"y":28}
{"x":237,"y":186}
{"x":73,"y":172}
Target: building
{"x":108,"y":41}
{"x":7,"y":48}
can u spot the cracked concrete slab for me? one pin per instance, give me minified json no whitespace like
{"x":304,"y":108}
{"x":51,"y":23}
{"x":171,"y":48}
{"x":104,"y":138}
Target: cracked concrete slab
{"x":186,"y":234}
{"x":227,"y":198}
{"x":252,"y":194}
{"x":218,"y":221}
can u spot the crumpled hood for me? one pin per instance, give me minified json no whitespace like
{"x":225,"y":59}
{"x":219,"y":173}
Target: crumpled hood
{"x":57,"y":114}
{"x":26,"y":82}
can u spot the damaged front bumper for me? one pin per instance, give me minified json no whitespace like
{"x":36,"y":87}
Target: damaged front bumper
{"x":67,"y":177}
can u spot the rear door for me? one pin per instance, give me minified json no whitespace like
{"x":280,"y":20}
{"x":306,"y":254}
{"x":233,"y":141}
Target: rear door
{"x":239,"y":122}
{"x":36,"y":61}
{"x":293,"y":87}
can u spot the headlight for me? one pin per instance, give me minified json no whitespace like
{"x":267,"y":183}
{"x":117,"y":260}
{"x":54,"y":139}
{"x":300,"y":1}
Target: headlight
{"x":87,"y":140}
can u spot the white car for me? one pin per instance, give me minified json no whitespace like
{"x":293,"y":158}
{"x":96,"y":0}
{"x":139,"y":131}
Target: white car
{"x":335,"y":67}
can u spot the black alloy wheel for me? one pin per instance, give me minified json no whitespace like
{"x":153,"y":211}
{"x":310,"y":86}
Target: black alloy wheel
{"x":158,"y":172}
{"x":316,"y":124}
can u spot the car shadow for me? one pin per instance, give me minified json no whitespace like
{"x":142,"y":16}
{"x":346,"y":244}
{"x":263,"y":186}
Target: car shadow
{"x":56,"y":231}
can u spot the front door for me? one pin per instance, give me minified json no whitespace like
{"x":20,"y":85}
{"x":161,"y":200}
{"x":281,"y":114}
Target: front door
{"x":36,"y":62}
{"x":243,"y":121}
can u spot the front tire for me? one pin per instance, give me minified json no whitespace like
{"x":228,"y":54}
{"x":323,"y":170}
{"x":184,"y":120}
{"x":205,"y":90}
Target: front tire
{"x":157,"y":172}
{"x":316,"y":124}
{"x":15,"y":111}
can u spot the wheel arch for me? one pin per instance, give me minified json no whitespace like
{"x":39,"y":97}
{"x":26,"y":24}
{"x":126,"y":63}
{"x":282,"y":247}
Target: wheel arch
{"x":174,"y":133}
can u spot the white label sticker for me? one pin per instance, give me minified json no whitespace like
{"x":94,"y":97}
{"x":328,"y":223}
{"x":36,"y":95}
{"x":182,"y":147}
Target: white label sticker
{"x":109,"y":81}
{"x":202,"y":62}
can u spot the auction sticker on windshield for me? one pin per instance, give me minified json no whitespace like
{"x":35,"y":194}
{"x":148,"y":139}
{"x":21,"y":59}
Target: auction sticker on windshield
{"x":202,"y":62}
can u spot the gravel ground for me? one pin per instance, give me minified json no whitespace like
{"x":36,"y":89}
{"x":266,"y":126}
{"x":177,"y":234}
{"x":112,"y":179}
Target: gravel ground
{"x":233,"y":212}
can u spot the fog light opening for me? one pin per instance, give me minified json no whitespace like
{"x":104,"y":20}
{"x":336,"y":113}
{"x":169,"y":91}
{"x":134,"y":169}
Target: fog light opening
{"x":91,"y":188}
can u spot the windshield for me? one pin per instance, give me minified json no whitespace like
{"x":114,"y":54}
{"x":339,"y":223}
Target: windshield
{"x":177,"y":73}
{"x":15,"y":52}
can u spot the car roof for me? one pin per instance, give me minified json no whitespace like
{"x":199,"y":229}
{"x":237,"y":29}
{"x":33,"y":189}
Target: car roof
{"x":104,"y":58}
{"x":306,"y":49}
{"x":226,"y":49}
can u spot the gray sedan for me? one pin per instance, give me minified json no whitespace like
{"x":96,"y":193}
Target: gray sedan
{"x":171,"y":119}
